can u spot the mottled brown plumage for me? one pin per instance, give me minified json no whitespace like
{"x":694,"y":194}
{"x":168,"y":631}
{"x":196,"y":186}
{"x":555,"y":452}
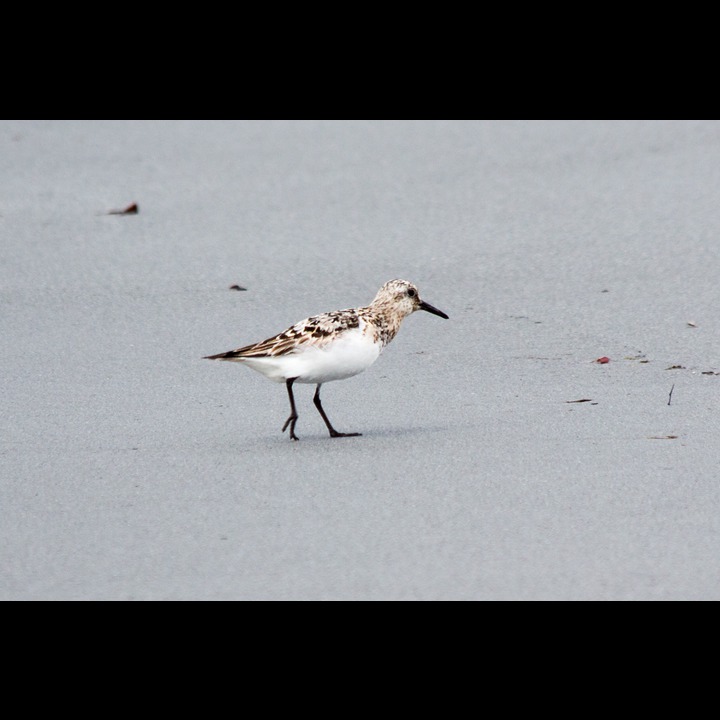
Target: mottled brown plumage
{"x":318,"y":330}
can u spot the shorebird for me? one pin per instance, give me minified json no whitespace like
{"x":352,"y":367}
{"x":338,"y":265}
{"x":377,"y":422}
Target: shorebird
{"x":332,"y":346}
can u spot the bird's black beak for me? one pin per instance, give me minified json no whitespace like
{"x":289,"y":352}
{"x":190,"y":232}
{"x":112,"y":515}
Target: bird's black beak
{"x":427,"y":307}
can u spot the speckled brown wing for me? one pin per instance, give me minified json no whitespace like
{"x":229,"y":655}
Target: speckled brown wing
{"x":318,"y":330}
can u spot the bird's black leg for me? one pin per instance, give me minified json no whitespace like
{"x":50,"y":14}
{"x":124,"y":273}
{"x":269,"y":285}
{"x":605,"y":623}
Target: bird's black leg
{"x":333,"y":431}
{"x":293,"y":414}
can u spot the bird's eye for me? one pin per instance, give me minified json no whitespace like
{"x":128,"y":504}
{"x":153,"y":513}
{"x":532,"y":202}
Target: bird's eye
{"x":411,"y":292}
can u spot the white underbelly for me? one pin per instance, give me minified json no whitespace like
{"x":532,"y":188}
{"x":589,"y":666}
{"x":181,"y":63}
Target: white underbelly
{"x":349,"y":355}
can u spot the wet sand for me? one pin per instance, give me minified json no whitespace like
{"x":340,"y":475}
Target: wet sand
{"x":130,"y":468}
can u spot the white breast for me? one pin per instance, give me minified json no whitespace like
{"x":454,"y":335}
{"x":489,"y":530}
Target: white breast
{"x":349,"y":355}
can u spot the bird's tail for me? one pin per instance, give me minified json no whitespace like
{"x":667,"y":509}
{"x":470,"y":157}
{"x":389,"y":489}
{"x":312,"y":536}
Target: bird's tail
{"x":230,"y":355}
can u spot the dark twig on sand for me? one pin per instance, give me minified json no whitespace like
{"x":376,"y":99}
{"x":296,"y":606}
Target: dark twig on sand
{"x":670,"y":396}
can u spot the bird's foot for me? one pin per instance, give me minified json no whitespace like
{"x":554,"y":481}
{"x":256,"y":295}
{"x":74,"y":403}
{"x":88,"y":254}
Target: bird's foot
{"x":291,"y":422}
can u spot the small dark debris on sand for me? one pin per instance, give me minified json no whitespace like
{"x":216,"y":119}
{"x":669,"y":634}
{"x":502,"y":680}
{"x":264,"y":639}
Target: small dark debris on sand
{"x":236,"y":287}
{"x":640,"y":357}
{"x":132,"y":209}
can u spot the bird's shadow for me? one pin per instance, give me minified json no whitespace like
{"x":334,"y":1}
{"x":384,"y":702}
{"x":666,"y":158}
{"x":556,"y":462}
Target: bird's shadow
{"x":375,"y":434}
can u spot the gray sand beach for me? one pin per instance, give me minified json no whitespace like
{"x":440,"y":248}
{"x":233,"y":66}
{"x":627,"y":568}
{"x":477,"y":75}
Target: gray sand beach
{"x":132,"y":469}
